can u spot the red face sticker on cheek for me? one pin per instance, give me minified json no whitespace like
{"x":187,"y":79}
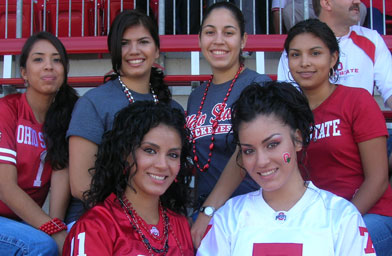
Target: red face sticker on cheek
{"x":286,"y":157}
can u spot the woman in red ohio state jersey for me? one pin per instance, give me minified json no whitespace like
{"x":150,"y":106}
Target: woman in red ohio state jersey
{"x":140,"y":187}
{"x":32,"y":144}
{"x":347,"y":155}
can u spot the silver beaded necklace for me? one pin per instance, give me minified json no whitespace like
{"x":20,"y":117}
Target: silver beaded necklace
{"x":129,"y":94}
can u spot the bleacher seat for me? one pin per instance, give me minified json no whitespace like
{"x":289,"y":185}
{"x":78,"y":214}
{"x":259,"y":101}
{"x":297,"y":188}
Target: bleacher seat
{"x":389,"y":26}
{"x":63,"y":17}
{"x":115,"y":8}
{"x":11,"y":25}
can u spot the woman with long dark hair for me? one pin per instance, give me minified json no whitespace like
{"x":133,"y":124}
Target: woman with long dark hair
{"x":347,"y":155}
{"x":34,"y":151}
{"x":133,"y":43}
{"x":288,"y":215}
{"x":222,"y":38}
{"x":140,"y":187}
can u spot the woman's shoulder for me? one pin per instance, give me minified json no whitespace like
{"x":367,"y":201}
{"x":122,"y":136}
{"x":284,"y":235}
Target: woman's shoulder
{"x":356,"y":97}
{"x":176,"y":105}
{"x":349,"y":92}
{"x":11,"y":100}
{"x":11,"y":105}
{"x":256,"y":77}
{"x":101,"y":215}
{"x":99,"y":96}
{"x":102,"y":91}
{"x":241,"y":202}
{"x":179,"y":218}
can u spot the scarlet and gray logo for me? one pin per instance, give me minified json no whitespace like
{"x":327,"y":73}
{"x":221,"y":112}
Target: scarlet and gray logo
{"x":203,"y":127}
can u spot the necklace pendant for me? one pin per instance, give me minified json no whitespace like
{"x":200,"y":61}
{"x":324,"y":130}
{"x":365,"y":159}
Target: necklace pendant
{"x":154,"y":231}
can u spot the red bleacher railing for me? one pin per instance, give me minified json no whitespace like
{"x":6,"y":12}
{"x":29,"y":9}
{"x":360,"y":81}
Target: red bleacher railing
{"x":169,"y":43}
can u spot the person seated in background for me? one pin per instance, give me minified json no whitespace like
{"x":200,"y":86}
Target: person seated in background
{"x":287,"y":216}
{"x":34,"y":151}
{"x":247,"y":9}
{"x":365,"y":60}
{"x":377,"y":13}
{"x":181,"y":16}
{"x":139,"y":189}
{"x":287,"y":10}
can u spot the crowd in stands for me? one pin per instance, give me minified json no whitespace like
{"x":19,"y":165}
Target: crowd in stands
{"x":183,"y":18}
{"x":296,"y":166}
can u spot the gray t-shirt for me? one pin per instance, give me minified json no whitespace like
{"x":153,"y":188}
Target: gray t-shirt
{"x":223,"y":146}
{"x":94,"y":113}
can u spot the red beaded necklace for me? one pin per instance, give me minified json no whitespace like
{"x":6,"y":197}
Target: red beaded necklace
{"x":215,"y":122}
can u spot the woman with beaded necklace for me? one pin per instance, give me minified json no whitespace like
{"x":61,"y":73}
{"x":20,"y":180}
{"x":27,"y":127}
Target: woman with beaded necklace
{"x":140,"y":187}
{"x":222,"y":37}
{"x":347,"y":153}
{"x":133,"y":43}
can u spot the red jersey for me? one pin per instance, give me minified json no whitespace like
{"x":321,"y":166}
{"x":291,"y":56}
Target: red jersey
{"x":347,"y":117}
{"x":22,"y":144}
{"x":106,"y":230}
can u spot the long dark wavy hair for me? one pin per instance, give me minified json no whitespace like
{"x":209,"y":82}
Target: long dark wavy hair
{"x":123,"y":21}
{"x":59,"y":113}
{"x":112,"y":171}
{"x":280,"y":99}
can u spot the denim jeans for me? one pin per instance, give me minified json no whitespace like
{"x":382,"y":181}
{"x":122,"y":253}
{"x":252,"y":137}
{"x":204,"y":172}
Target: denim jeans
{"x":380,"y":230}
{"x":17,"y":238}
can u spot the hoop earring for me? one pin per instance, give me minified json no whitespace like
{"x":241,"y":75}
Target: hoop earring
{"x":331,"y":72}
{"x":333,"y":76}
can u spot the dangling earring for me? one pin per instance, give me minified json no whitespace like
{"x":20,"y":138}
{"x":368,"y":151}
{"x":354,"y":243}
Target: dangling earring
{"x":333,"y":76}
{"x":26,"y":83}
{"x":331,"y":72}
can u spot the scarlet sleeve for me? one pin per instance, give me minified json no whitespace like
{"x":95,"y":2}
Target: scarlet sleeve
{"x":7,"y":133}
{"x":87,"y":237}
{"x":368,"y":120}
